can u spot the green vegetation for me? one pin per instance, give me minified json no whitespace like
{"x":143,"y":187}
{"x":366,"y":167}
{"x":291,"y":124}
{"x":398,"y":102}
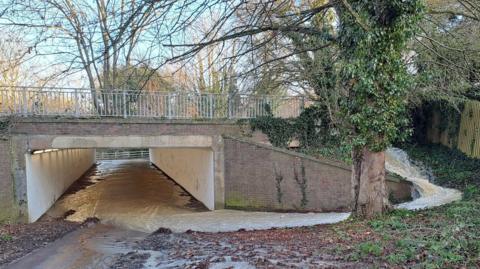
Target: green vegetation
{"x":6,"y":237}
{"x":442,"y":237}
{"x":451,"y":167}
{"x":237,"y":200}
{"x":312,"y":129}
{"x":374,"y":71}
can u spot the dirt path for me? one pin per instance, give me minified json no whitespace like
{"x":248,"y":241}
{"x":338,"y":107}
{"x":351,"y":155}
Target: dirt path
{"x":97,"y":246}
{"x":17,"y":240}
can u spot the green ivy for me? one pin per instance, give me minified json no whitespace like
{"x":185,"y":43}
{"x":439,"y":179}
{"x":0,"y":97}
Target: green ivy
{"x":279,"y":131}
{"x":372,"y":44}
{"x":311,"y":128}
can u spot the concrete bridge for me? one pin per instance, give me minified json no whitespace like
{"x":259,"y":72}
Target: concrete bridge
{"x":49,"y":137}
{"x":220,"y":162}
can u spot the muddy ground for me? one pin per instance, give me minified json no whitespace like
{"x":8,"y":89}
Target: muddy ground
{"x":312,"y":247}
{"x":275,"y":248}
{"x":17,"y":240}
{"x":444,"y":237}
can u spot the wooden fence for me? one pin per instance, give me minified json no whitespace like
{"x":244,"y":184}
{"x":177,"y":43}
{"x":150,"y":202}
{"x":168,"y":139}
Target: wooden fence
{"x":469,"y":132}
{"x":467,"y":139}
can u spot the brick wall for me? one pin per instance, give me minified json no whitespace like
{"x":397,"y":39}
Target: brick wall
{"x":7,"y":210}
{"x":256,"y":176}
{"x":262,"y":177}
{"x":49,"y":126}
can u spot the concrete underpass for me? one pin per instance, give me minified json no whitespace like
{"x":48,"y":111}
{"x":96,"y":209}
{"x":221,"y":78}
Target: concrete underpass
{"x":133,"y":193}
{"x":221,"y":165}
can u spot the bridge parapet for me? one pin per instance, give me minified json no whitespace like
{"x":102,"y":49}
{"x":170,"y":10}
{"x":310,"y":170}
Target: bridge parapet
{"x":75,"y":102}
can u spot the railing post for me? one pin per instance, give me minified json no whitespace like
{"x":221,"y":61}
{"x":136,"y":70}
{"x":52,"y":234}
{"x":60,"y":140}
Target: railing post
{"x":77,"y":112}
{"x":211,"y":106}
{"x":169,"y":106}
{"x":124,"y":94}
{"x":25,"y":102}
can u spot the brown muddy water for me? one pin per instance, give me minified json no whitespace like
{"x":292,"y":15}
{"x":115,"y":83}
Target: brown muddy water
{"x":129,"y":197}
{"x":129,"y":194}
{"x":132,"y":198}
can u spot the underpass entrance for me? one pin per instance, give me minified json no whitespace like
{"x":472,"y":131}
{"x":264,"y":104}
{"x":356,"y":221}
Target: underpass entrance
{"x":129,"y":193}
{"x":129,"y":186}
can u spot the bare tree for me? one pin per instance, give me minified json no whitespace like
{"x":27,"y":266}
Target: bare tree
{"x":447,"y":52}
{"x":98,"y":37}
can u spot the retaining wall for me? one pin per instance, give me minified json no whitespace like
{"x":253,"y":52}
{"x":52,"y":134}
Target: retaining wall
{"x":262,"y":177}
{"x":8,"y":209}
{"x":50,"y":174}
{"x":191,"y":168}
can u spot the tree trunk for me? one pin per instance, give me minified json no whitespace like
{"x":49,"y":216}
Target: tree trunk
{"x":368,"y":182}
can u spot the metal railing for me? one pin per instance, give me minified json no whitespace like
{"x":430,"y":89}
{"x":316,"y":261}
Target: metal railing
{"x":74,"y":102}
{"x":121,"y":154}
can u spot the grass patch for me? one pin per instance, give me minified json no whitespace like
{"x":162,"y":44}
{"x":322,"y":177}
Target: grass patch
{"x":369,"y":248}
{"x":442,"y":237}
{"x":6,"y":237}
{"x":332,"y":151}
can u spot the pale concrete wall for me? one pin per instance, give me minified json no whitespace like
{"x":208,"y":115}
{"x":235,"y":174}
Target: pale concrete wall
{"x":191,"y":168}
{"x":50,"y":174}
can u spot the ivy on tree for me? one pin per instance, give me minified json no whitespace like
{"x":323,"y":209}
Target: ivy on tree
{"x":374,"y":69}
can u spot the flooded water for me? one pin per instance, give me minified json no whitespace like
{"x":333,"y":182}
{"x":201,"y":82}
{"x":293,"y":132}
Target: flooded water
{"x":132,"y":198}
{"x":134,"y":195}
{"x":95,"y":247}
{"x":129,"y":194}
{"x":426,"y":194}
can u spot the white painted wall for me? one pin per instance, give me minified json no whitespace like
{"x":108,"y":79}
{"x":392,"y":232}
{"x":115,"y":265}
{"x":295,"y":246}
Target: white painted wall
{"x":191,"y":168}
{"x":50,"y":174}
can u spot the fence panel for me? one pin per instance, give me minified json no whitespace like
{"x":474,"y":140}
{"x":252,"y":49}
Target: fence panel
{"x":121,"y":154}
{"x":469,"y":131}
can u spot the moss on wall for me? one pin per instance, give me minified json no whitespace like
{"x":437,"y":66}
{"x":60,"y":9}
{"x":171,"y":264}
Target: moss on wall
{"x":236,"y":200}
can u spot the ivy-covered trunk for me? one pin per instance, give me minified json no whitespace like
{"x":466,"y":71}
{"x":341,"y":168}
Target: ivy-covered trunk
{"x":373,"y":36}
{"x":368,"y":181}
